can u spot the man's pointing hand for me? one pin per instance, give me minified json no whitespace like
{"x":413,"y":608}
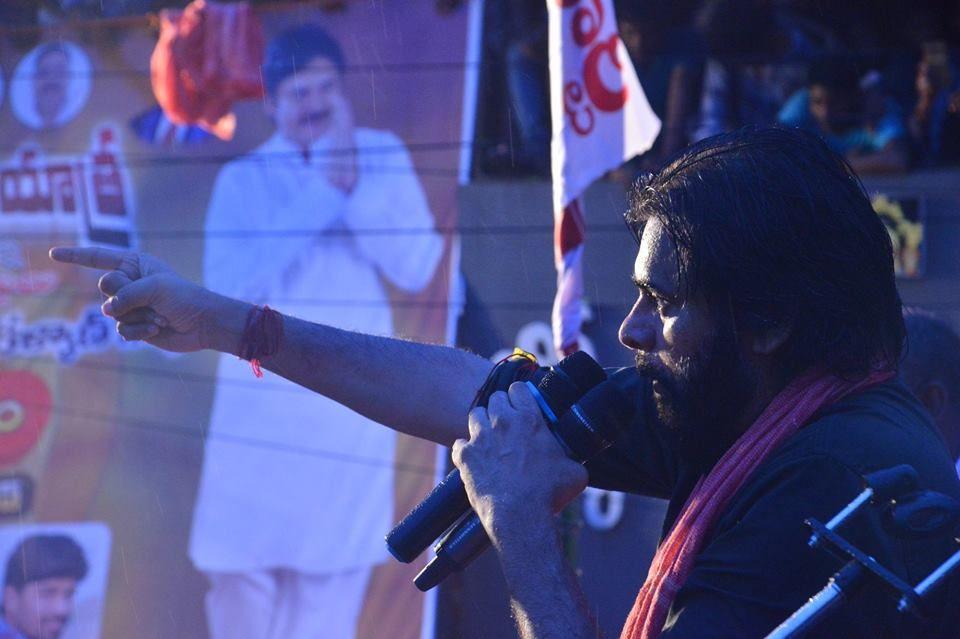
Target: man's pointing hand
{"x":147,"y":298}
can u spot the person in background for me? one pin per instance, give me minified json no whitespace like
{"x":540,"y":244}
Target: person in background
{"x":931,"y":369}
{"x":668,"y":59}
{"x":296,"y":490}
{"x":517,"y":31}
{"x":39,"y":584}
{"x":852,"y":114}
{"x":935,"y":121}
{"x":758,"y":55}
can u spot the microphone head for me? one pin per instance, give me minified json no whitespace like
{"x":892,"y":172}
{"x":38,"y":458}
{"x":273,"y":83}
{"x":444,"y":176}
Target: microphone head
{"x":595,"y":422}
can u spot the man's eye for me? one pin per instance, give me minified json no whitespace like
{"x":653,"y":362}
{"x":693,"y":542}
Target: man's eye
{"x":664,"y":306}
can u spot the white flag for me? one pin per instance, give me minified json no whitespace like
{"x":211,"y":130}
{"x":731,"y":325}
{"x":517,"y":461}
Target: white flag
{"x":601,"y":118}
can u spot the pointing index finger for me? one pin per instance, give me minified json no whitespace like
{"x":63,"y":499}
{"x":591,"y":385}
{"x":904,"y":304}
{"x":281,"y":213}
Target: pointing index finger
{"x":91,"y":257}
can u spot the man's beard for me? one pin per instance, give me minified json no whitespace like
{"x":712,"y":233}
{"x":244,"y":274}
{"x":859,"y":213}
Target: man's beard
{"x":699,"y":402}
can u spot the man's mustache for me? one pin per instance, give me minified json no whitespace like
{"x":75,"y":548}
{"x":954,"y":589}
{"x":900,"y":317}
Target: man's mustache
{"x":654,"y":370}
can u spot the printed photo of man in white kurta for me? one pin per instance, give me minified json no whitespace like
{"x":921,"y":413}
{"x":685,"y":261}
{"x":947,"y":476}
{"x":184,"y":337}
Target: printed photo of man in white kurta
{"x":297,"y":491}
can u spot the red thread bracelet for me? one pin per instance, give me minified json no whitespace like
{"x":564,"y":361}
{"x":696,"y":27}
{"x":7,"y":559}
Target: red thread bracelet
{"x":261,"y":336}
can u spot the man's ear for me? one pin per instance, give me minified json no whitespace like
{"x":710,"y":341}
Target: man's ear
{"x":934,"y":397}
{"x":770,"y":336}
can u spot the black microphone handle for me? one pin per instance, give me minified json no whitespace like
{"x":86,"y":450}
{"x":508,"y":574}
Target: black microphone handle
{"x":459,"y":547}
{"x":426,"y":522}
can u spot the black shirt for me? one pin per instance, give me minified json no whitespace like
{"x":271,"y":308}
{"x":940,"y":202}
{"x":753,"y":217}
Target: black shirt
{"x":756,"y":567}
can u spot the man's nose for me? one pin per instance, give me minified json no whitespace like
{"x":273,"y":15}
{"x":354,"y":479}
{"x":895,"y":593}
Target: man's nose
{"x":637,"y":332}
{"x":310,"y":96}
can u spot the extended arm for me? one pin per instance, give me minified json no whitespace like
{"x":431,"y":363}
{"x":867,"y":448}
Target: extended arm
{"x":423,"y":390}
{"x":418,"y":389}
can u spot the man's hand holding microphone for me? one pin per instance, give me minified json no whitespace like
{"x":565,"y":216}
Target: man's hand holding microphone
{"x":514,"y":471}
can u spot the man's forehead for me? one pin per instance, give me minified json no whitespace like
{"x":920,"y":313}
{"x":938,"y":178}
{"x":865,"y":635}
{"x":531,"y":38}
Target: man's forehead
{"x":56,"y":583}
{"x":319,"y":69}
{"x":656,"y":262}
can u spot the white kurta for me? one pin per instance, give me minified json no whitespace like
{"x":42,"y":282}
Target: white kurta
{"x":291,"y":479}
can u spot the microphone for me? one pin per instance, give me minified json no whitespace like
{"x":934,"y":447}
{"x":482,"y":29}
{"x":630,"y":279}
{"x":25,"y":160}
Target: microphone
{"x":556,"y":390}
{"x":587,"y":429}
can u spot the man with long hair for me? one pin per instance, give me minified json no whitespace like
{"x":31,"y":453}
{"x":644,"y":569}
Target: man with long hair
{"x":767,"y":332}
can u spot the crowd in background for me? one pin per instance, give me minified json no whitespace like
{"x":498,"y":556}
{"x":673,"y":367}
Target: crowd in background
{"x":879,"y":81}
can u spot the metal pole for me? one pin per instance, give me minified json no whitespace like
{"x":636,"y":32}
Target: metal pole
{"x":820,"y":604}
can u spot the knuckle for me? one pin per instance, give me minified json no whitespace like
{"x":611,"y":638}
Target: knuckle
{"x":498,"y":397}
{"x":499,"y":420}
{"x":478,"y":417}
{"x":480,"y":435}
{"x":457,"y":450}
{"x":467,"y":453}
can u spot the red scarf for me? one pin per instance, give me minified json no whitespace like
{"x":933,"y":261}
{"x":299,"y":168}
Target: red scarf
{"x":675,"y":557}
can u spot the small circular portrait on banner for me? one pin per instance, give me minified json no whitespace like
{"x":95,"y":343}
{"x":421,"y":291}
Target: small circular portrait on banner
{"x":51,"y":85}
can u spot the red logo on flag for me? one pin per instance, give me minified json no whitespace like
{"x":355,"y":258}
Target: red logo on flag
{"x":588,"y":92}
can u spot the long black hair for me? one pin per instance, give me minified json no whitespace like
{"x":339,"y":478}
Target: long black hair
{"x":773,"y":223}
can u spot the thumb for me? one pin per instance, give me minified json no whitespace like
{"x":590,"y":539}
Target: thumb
{"x":137,"y":294}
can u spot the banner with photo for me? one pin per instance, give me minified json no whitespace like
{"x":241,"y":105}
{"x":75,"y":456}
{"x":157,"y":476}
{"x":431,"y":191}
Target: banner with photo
{"x":224,"y":504}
